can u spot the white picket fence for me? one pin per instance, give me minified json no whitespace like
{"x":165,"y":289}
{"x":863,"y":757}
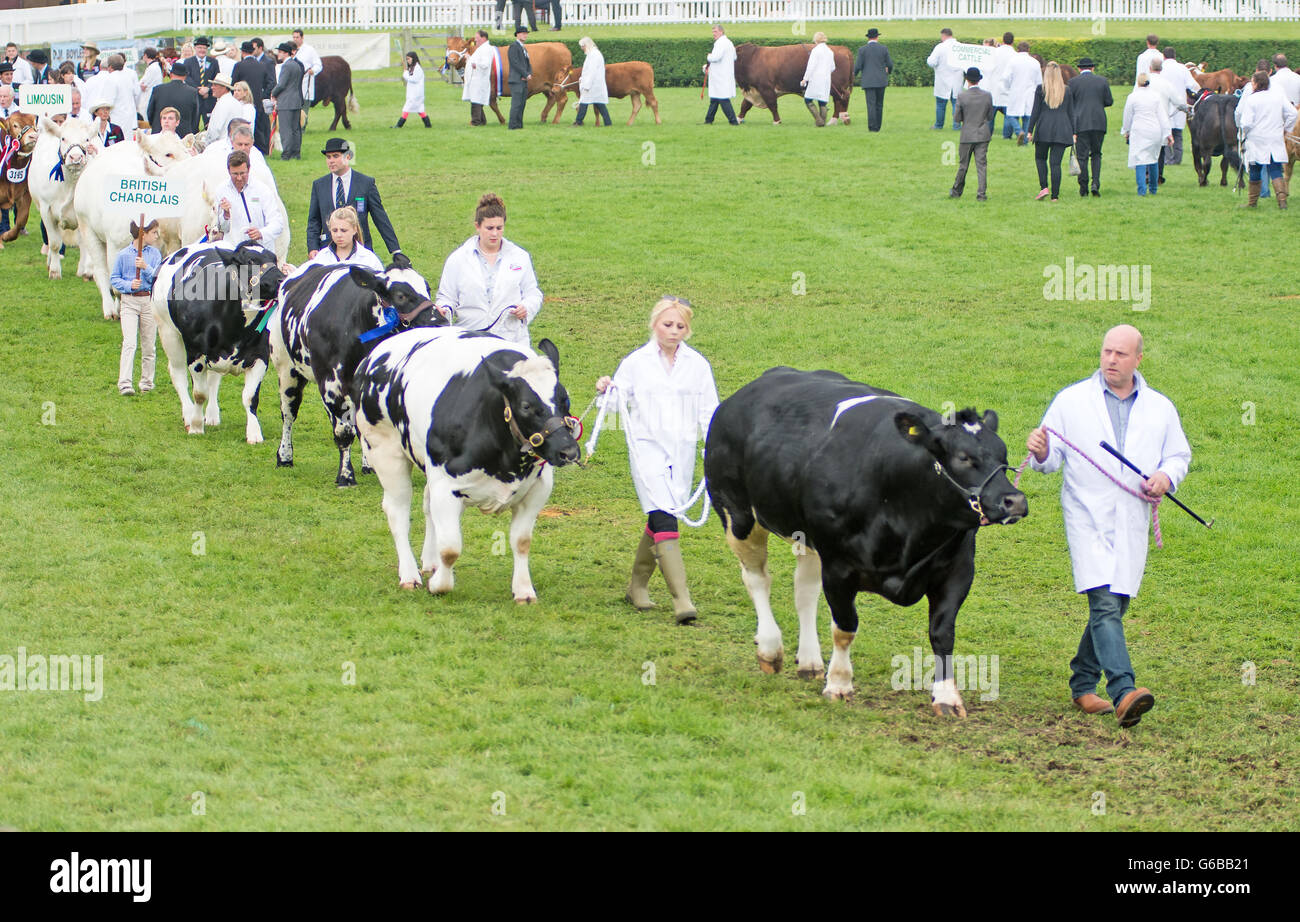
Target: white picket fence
{"x":133,"y":18}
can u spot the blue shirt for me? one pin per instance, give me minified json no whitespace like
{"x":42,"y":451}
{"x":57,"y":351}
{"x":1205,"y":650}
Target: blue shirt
{"x":124,"y":271}
{"x":1119,"y":411}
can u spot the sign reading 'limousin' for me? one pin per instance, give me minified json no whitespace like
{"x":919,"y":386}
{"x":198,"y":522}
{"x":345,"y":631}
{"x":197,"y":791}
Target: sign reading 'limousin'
{"x":39,"y":99}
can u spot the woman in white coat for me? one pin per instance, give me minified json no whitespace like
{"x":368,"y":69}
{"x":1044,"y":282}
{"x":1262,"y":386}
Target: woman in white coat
{"x":817,"y":79}
{"x":1265,"y":118}
{"x":488,"y":282}
{"x":591,"y":85}
{"x":413,"y":77}
{"x":1147,"y":129}
{"x":667,"y":389}
{"x":345,"y":246}
{"x":478,"y":79}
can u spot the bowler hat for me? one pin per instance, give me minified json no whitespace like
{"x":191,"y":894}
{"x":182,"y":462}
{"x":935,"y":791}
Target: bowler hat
{"x":6,"y":67}
{"x":521,"y":30}
{"x":1086,"y":62}
{"x":204,"y":41}
{"x":287,"y":47}
{"x":178,"y":68}
{"x":246,"y":47}
{"x":873,"y":33}
{"x":337,"y":146}
{"x":973,"y":75}
{"x":36,"y":56}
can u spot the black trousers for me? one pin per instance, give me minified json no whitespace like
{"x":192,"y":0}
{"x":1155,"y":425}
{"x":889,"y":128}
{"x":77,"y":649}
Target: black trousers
{"x":555,"y":15}
{"x":1087,"y":147}
{"x":518,"y":98}
{"x":520,"y":9}
{"x":1041,"y":154}
{"x":729,"y":112}
{"x":875,"y":106}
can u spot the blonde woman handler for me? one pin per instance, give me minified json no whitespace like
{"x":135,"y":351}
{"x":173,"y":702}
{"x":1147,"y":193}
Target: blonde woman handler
{"x":667,"y":388}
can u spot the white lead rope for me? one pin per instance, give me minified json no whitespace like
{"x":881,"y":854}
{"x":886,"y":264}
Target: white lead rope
{"x":680,"y":511}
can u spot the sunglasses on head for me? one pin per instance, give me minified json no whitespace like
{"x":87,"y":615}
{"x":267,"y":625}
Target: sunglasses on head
{"x":675,"y":299}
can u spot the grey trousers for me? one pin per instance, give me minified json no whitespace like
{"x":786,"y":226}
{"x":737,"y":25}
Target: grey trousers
{"x":290,"y":134}
{"x":980,"y":150}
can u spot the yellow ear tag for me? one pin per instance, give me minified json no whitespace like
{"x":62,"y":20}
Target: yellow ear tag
{"x":914,"y":431}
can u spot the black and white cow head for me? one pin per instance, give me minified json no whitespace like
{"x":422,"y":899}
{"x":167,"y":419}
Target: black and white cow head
{"x":403,"y":289}
{"x":970,"y":455}
{"x":537,"y":406}
{"x":255,"y":273}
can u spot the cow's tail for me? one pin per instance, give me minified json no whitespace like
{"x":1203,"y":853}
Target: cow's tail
{"x":353,"y":106}
{"x":1231,"y":142}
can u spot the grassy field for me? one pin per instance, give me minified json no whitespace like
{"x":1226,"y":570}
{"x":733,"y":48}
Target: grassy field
{"x":229,"y":599}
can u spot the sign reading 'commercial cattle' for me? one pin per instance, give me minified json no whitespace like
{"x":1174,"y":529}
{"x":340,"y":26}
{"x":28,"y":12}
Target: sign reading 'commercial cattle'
{"x":41,"y":99}
{"x":153,"y":196}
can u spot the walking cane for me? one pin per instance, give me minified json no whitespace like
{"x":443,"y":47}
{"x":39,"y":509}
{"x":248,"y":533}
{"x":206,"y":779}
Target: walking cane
{"x":1169,"y":496}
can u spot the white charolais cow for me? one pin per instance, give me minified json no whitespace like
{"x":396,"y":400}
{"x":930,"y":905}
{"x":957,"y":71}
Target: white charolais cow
{"x":61,"y":156}
{"x":104,"y":233}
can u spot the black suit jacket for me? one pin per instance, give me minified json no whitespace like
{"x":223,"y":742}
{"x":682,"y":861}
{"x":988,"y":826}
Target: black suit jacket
{"x":1090,"y":96}
{"x":322,"y":206}
{"x":875,"y":65}
{"x":521,"y":67}
{"x":250,"y":72}
{"x":181,"y":96}
{"x":197,"y":75}
{"x":1052,"y":126}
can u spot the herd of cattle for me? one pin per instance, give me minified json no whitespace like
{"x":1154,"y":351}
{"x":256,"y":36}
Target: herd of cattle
{"x":881,"y":494}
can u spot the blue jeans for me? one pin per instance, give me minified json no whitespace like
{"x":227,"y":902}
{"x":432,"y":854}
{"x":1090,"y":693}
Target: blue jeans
{"x":1257,"y":170}
{"x":1006,"y":122}
{"x":1102,"y":647}
{"x":1011,"y":125}
{"x":941,"y":110}
{"x":1148,"y":178}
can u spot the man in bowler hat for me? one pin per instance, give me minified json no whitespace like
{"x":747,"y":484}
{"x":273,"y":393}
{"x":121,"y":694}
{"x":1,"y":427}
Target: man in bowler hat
{"x":974,"y":109}
{"x":875,"y":65}
{"x":1089,"y":95}
{"x":342,"y":186}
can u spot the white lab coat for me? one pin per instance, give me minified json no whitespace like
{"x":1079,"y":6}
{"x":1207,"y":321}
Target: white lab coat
{"x":153,"y":76}
{"x":311,"y":66}
{"x":722,"y":69}
{"x":1105,"y":527}
{"x":1146,"y":124}
{"x":1173,"y":98}
{"x":999,"y":64}
{"x":1180,"y":78}
{"x":225,"y":65}
{"x":264,"y":213}
{"x":463,"y":289}
{"x":414,"y":89}
{"x":670,"y":409}
{"x":126,"y":95}
{"x":1144,"y":62}
{"x":478,"y":75}
{"x":1023,"y":76}
{"x":326,"y":256}
{"x":591,"y":86}
{"x":1288,"y":81}
{"x":23,"y":71}
{"x":821,"y":65}
{"x":947,"y":76}
{"x":1265,"y":117}
{"x":227,"y":107}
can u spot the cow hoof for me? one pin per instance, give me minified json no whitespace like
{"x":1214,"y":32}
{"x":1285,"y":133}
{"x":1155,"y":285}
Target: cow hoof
{"x":526,"y":600}
{"x":411,"y":584}
{"x":345,"y":482}
{"x":837,"y":694}
{"x":771,"y":666}
{"x":254,"y":440}
{"x":948,"y":710}
{"x":280,"y":462}
{"x":811,"y":672}
{"x":367,"y":469}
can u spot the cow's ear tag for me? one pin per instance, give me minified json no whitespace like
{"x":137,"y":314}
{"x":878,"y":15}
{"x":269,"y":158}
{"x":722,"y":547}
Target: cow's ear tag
{"x":914,"y":432}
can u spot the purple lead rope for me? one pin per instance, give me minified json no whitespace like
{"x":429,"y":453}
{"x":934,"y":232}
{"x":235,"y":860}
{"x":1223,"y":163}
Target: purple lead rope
{"x":1154,"y":503}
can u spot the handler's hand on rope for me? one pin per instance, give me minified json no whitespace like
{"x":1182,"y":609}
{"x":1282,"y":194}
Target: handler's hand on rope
{"x":603,"y":383}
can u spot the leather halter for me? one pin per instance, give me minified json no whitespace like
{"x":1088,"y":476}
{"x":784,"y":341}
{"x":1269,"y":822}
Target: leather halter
{"x":529,"y":444}
{"x":972,"y":494}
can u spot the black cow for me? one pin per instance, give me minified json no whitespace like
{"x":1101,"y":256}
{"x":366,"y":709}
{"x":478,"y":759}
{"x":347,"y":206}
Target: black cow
{"x":1214,"y":134}
{"x":325,"y":314}
{"x":878,"y":493}
{"x":487,"y":420}
{"x":210,"y":300}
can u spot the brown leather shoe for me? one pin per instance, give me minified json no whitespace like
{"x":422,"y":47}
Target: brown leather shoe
{"x":1133,"y":705}
{"x":1093,"y":704}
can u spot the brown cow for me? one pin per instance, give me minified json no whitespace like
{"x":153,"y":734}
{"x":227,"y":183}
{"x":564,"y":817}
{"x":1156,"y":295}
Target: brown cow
{"x":1068,"y":73}
{"x":334,"y":85}
{"x":764,"y":72}
{"x":547,"y":58}
{"x":17,"y":142}
{"x":1223,"y":81}
{"x":634,"y":78}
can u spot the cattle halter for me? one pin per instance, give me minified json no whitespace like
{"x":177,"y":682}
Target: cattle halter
{"x":529,"y":444}
{"x":972,"y":494}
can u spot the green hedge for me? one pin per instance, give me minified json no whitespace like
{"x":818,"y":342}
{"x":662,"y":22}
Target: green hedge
{"x":678,"y":62}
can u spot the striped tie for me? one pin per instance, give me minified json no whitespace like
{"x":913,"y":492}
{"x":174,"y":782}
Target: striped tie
{"x":338,"y":194}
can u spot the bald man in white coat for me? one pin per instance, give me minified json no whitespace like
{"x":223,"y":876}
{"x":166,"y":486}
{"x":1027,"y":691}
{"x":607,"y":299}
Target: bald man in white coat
{"x":1105,"y":527}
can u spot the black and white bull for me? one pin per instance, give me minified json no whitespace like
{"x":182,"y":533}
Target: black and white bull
{"x":878,"y":493}
{"x":210,"y":299}
{"x":488,"y":422}
{"x":317,"y":335}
